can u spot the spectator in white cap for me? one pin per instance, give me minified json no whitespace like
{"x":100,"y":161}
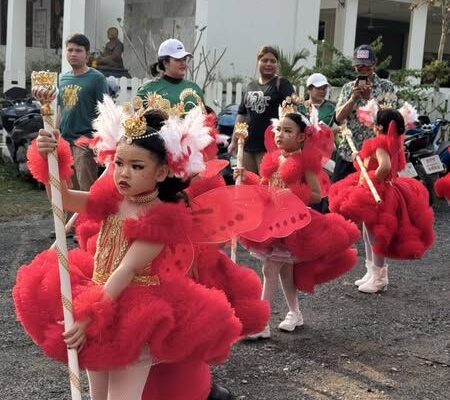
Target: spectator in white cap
{"x":317,"y":86}
{"x":170,"y":70}
{"x":356,"y":94}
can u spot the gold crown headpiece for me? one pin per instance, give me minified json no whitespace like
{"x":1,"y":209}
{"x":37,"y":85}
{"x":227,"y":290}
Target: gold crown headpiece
{"x":155,"y":101}
{"x":289,"y":105}
{"x":135,"y":125}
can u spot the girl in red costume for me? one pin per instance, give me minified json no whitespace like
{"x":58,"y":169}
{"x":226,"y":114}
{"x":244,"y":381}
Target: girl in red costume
{"x":134,"y":305}
{"x":213,"y":269}
{"x":298,"y":246}
{"x":401,"y":226}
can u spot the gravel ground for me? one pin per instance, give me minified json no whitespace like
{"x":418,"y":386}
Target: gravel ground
{"x":393,"y":345}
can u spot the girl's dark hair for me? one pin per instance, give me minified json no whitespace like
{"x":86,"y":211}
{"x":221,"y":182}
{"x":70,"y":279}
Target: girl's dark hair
{"x":171,"y":189}
{"x":268,"y":49}
{"x":385,"y":116}
{"x":298,"y":119}
{"x":158,"y":67}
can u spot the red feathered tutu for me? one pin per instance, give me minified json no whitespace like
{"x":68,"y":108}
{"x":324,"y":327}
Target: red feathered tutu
{"x":403,"y":223}
{"x":321,"y":251}
{"x":442,"y":187}
{"x":179,"y":320}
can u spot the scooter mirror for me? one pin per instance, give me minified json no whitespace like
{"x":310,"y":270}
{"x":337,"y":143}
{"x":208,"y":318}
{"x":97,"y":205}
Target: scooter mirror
{"x":216,"y":103}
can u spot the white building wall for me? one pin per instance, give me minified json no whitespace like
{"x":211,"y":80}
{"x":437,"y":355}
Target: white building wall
{"x":243,"y":27}
{"x":101,"y":15}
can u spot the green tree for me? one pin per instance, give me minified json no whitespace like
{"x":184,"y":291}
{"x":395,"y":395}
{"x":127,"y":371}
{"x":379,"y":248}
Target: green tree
{"x":290,"y":65}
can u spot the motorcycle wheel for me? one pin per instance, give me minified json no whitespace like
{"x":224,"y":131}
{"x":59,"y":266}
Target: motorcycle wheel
{"x":428,"y":181}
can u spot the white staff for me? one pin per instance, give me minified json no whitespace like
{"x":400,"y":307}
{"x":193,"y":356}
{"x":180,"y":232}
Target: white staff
{"x":69,"y":225}
{"x":241,"y":133}
{"x":44,"y":89}
{"x":347,"y":133}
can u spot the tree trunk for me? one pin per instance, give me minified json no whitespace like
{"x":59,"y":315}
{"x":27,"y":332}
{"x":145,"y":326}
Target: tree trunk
{"x":444,"y":28}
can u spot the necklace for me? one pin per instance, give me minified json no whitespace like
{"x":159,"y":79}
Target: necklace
{"x":287,"y":154}
{"x":144,"y":198}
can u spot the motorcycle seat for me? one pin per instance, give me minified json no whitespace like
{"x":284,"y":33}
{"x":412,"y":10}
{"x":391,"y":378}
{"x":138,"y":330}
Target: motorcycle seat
{"x":417,"y":155}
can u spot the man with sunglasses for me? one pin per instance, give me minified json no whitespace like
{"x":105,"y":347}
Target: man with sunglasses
{"x":356,"y":94}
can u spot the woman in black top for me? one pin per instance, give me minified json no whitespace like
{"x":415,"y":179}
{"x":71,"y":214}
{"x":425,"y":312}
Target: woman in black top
{"x":259,"y":105}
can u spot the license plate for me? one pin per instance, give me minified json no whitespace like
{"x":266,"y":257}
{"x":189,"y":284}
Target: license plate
{"x":432,"y":164}
{"x":408,"y":172}
{"x":329,"y":165}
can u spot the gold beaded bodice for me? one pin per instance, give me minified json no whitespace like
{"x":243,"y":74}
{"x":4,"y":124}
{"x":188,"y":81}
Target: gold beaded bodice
{"x":275,"y":181}
{"x":112,"y":245}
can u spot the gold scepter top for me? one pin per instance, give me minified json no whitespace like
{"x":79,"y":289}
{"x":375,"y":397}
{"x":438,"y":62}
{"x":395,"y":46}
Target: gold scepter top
{"x":44,"y":89}
{"x":44,"y":78}
{"x":241,"y":131}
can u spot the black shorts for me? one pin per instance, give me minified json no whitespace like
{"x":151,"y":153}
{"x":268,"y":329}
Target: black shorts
{"x":342,"y":169}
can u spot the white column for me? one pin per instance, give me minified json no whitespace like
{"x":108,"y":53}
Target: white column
{"x":201,"y":21}
{"x":74,"y":22}
{"x":93,"y":17}
{"x":14,"y":74}
{"x":345,"y":27}
{"x":416,"y":37}
{"x":307,"y":14}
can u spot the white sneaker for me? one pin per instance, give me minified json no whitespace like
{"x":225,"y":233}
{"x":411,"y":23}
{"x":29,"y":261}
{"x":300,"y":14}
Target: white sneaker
{"x":367,"y":276}
{"x":264,"y":334}
{"x":291,"y":321}
{"x":377,"y":282}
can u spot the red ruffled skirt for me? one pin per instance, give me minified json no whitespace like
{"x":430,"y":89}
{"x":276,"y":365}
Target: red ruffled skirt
{"x":402,"y":224}
{"x":442,"y":187}
{"x":321,"y":251}
{"x":179,"y":320}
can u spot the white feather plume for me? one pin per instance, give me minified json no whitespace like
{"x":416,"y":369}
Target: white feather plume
{"x":108,"y":125}
{"x":184,"y":140}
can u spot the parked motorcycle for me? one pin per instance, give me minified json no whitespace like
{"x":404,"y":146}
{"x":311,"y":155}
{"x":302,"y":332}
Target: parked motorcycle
{"x":226,"y":120}
{"x":441,"y":143}
{"x":424,"y":151}
{"x":21,"y":120}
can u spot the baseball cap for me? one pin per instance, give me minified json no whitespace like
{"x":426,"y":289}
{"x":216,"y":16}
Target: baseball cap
{"x":172,"y":48}
{"x":364,"y":55}
{"x":316,"y":80}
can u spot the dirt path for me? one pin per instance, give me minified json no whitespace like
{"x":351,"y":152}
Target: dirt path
{"x":393,"y":345}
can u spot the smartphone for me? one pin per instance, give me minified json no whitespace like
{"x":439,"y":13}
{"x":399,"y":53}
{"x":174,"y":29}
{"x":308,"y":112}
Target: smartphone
{"x":361,"y":80}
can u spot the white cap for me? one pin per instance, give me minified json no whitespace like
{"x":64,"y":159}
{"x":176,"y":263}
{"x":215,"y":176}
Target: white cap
{"x":316,"y":80}
{"x":172,"y":48}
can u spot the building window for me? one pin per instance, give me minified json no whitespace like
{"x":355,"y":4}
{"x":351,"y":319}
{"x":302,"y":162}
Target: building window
{"x":3,"y":19}
{"x":321,"y":33}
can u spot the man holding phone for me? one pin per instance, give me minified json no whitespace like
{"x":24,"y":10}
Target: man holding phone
{"x":356,"y":94}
